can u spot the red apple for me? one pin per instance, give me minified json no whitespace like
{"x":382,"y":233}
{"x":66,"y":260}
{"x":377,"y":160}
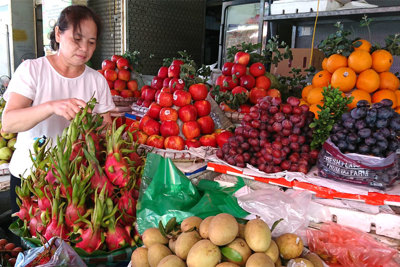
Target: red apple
{"x":187,"y":113}
{"x":163,"y":72}
{"x":229,"y":83}
{"x":110,"y":84}
{"x":139,"y":137}
{"x":166,"y":90}
{"x":227,"y":68}
{"x":114,"y":92}
{"x":115,"y":58}
{"x":257,"y":93}
{"x":126,"y":93}
{"x":238,"y":70}
{"x":176,"y":84}
{"x":174,"y":142}
{"x":198,"y":91}
{"x":191,"y":129}
{"x":192,"y":143}
{"x":139,"y":102}
{"x":239,"y":90}
{"x":208,"y":140}
{"x":151,"y":127}
{"x":155,"y":141}
{"x":110,"y":75}
{"x":169,"y":128}
{"x":177,"y":62}
{"x":181,"y":98}
{"x":174,"y":71}
{"x":166,"y":82}
{"x":244,"y":109}
{"x":136,"y":93}
{"x":164,"y":99}
{"x":147,"y":103}
{"x":257,"y":69}
{"x":143,"y":120}
{"x":132,"y":85}
{"x":156,"y":95}
{"x":148,"y":94}
{"x":247,"y":81}
{"x":101,"y":72}
{"x":122,"y":63}
{"x":220,"y":81}
{"x":134,"y":126}
{"x":154,"y":111}
{"x":223,"y":137}
{"x":203,"y":107}
{"x":206,"y":124}
{"x":168,"y":114}
{"x":119,"y":85}
{"x":157,"y":83}
{"x":273,"y":93}
{"x":124,"y":75}
{"x":107,"y":65}
{"x":242,"y":58}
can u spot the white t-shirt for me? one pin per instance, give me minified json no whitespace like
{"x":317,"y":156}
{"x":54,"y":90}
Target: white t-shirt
{"x":39,"y":81}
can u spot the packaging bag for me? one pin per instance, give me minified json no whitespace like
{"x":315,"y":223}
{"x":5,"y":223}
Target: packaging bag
{"x":166,"y":192}
{"x":64,"y":255}
{"x":349,"y":247}
{"x":356,"y":168}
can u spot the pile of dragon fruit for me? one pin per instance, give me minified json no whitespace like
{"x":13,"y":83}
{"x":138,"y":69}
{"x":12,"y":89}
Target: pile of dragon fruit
{"x":84,"y":186}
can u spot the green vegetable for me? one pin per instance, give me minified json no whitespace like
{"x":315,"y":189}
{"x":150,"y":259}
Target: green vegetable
{"x":335,"y":104}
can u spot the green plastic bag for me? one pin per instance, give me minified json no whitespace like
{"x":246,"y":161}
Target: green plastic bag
{"x":166,"y":192}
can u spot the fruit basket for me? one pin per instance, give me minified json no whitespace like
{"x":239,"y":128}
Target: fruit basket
{"x":123,"y":101}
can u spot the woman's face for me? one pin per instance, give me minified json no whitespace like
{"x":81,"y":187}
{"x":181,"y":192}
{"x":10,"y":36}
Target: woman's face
{"x":77,"y":48}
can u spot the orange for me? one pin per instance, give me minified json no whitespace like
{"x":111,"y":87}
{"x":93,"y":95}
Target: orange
{"x":359,"y":95}
{"x":303,"y":102}
{"x":305,"y":91}
{"x":363,"y":45}
{"x":397,"y":93}
{"x":315,"y":96}
{"x":336,"y":61}
{"x":397,"y":110}
{"x":368,"y":80}
{"x":314,"y":108}
{"x":324,"y":63}
{"x":388,"y":81}
{"x":344,"y":79}
{"x":359,"y":61}
{"x":263,"y":82}
{"x":384,"y":94}
{"x":382,"y":60}
{"x":321,"y":79}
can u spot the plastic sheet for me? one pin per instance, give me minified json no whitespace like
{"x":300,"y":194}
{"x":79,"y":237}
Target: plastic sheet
{"x":272,"y":205}
{"x":349,"y":247}
{"x":64,"y":255}
{"x":166,"y":192}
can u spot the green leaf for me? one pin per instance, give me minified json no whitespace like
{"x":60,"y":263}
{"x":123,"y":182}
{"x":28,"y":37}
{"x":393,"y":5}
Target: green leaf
{"x":275,"y":224}
{"x":231,"y":254}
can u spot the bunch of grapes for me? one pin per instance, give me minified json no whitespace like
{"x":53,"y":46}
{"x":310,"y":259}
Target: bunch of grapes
{"x":368,"y":130}
{"x":273,"y":137}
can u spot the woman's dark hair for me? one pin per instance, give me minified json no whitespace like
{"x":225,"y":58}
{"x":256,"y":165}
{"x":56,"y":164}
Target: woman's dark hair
{"x":72,"y":16}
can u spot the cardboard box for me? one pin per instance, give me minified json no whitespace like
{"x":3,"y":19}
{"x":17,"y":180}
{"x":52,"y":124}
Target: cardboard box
{"x":301,"y":60}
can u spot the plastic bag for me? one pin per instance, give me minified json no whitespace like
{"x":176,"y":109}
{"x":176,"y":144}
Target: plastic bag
{"x":349,"y":247}
{"x":356,"y":168}
{"x":272,"y":205}
{"x":166,"y":192}
{"x":63,"y":256}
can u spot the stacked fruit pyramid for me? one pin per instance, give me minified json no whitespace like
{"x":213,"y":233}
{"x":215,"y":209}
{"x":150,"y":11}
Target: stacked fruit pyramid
{"x":118,"y":76}
{"x":363,"y":75}
{"x":178,"y":113}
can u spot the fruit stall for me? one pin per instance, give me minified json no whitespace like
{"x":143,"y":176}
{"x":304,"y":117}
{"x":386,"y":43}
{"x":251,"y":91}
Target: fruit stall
{"x":260,"y":163}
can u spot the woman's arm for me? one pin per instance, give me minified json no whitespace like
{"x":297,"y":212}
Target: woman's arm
{"x":106,"y":118}
{"x":19,"y":115}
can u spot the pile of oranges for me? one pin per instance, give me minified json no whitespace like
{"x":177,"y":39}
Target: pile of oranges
{"x":363,"y":75}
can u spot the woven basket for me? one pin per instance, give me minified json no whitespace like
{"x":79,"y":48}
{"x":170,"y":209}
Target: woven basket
{"x":123,"y":101}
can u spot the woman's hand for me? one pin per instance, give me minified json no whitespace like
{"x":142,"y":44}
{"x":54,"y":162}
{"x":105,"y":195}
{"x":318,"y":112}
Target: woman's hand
{"x":67,"y":108}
